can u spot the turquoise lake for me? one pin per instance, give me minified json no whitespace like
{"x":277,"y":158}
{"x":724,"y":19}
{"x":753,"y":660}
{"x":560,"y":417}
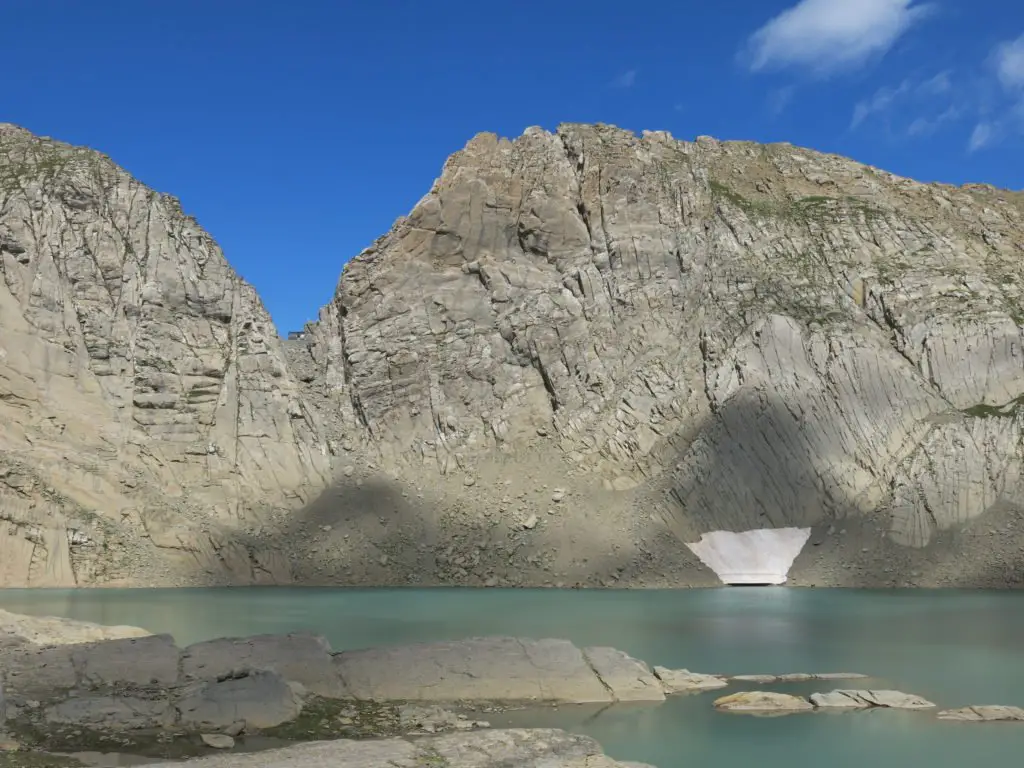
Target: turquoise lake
{"x":955,"y":648}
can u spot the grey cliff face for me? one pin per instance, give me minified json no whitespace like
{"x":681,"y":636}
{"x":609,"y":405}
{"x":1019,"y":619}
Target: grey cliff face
{"x":680,"y":337}
{"x":145,"y":399}
{"x":770,"y":335}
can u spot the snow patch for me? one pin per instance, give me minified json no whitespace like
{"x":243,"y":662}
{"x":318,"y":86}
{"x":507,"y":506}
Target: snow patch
{"x":761,"y":556}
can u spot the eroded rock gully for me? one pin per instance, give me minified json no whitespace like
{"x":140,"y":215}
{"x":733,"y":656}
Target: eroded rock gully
{"x":580,"y":351}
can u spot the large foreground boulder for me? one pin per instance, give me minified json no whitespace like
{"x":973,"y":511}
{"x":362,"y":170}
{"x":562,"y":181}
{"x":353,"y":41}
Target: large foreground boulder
{"x":522,"y":748}
{"x":497,"y":669}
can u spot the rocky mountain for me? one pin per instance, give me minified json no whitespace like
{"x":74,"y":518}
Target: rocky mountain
{"x":580,"y":351}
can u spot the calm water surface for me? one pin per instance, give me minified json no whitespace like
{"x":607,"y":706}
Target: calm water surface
{"x":955,"y":648}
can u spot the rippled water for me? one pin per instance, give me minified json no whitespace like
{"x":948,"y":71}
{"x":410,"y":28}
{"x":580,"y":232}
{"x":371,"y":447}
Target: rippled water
{"x":955,"y":648}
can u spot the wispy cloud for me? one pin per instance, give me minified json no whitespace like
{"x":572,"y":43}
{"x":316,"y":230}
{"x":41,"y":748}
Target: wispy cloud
{"x":910,"y":94}
{"x":925,"y":126}
{"x":827,"y":37}
{"x":1007,"y":64}
{"x":1009,"y":61}
{"x":982,"y":135}
{"x":625,"y":80}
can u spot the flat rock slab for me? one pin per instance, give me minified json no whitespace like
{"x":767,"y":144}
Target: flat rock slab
{"x":798,"y":677}
{"x":51,"y":630}
{"x":149,"y":660}
{"x":626,"y":677}
{"x":685,"y":681}
{"x":988,"y":713}
{"x":300,"y":658}
{"x":522,"y":748}
{"x":866,"y":699}
{"x":112,"y":712}
{"x":261,"y":699}
{"x":494,"y":669}
{"x":755,"y":702}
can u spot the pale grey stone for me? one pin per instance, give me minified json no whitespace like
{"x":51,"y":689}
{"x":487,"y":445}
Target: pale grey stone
{"x":627,"y":678}
{"x":488,"y":669}
{"x":304,"y":659}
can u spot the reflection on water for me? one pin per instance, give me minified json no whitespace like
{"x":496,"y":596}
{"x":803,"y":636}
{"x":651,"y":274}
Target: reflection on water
{"x":955,"y":648}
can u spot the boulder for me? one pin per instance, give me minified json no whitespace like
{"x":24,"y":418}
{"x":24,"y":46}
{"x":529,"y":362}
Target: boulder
{"x":684,"y":681}
{"x":763,"y":702}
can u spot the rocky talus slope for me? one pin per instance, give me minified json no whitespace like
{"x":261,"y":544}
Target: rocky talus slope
{"x":580,"y":350}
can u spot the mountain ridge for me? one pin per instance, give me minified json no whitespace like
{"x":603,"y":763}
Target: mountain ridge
{"x":580,"y":351}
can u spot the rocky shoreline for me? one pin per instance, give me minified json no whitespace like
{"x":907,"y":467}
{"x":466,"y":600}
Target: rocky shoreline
{"x":78,"y":694}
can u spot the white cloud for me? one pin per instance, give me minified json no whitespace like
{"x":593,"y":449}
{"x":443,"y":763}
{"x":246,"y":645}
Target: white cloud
{"x":982,"y":135}
{"x":830,"y":36}
{"x":626,"y":80}
{"x":1009,"y":61}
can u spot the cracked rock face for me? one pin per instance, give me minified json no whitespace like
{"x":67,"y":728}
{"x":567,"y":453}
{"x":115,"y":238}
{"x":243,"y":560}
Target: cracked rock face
{"x":680,"y":337}
{"x":758,"y":336}
{"x":144,"y":397}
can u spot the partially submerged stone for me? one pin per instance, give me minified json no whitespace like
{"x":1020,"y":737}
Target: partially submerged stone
{"x":492,"y":669}
{"x":627,"y":678}
{"x":685,"y":681}
{"x":217,"y":740}
{"x":763,"y":702}
{"x":984,"y":713}
{"x":847,"y":699}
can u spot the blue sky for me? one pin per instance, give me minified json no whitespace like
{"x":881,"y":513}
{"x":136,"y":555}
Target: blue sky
{"x":297,"y":132}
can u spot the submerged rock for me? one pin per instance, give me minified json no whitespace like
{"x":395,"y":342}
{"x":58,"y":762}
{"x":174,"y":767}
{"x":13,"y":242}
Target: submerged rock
{"x":798,"y":677}
{"x":864,"y":699}
{"x":763,"y":702}
{"x":685,"y":681}
{"x":984,"y":713}
{"x":217,"y":740}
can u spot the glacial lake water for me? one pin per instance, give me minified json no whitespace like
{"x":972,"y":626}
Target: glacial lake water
{"x":955,"y":648}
